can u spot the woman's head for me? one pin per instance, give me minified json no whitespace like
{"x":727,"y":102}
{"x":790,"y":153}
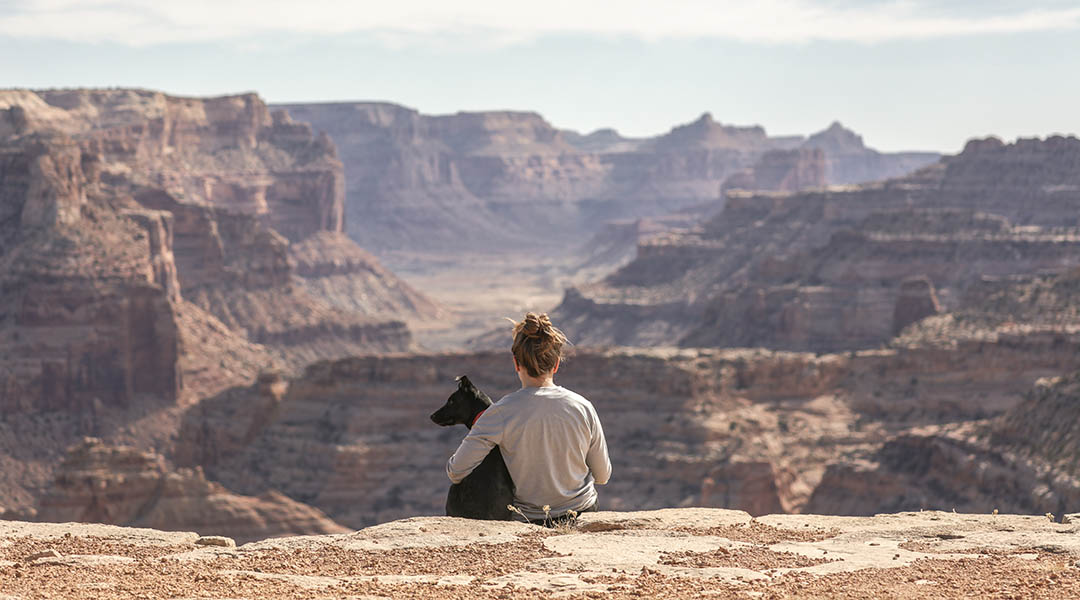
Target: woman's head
{"x":537,"y":344}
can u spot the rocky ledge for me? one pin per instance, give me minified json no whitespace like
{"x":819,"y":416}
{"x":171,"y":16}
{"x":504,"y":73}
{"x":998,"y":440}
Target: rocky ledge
{"x":673,"y":553}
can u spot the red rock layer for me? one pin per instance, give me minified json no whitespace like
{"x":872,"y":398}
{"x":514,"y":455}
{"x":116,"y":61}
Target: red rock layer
{"x":824,"y":270}
{"x":510,"y":181}
{"x":146,"y":261}
{"x":119,"y":485}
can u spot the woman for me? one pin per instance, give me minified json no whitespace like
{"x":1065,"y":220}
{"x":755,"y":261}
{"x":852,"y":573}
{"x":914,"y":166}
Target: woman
{"x":550,"y":437}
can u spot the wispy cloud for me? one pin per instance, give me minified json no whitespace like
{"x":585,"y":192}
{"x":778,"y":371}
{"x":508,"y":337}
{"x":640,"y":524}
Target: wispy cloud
{"x":148,"y":22}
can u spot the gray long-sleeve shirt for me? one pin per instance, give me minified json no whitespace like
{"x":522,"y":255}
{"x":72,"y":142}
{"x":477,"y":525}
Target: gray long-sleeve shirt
{"x":553,"y":445}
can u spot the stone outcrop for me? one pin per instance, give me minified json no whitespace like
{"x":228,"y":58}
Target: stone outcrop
{"x":330,"y":266}
{"x":89,"y":317}
{"x":917,"y":300}
{"x":849,"y":161}
{"x":1005,"y":307}
{"x":1042,"y":427}
{"x":222,"y":188}
{"x":825,"y":270}
{"x":510,"y":181}
{"x":119,"y":485}
{"x":782,"y":171}
{"x":674,"y":553}
{"x":1021,"y":461}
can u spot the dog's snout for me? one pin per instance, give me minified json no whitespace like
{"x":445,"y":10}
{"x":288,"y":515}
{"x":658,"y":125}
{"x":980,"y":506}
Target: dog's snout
{"x":441,"y":418}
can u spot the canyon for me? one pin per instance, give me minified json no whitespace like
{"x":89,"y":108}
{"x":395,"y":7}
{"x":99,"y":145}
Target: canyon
{"x":751,"y":429}
{"x":155,"y":250}
{"x":834,"y":269}
{"x":520,"y":209}
{"x":510,"y":181}
{"x":233,"y":318}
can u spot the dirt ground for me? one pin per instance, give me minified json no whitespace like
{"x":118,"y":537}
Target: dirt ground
{"x":294,"y":575}
{"x":672,"y":553}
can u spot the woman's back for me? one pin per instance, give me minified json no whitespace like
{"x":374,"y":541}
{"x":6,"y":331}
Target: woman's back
{"x":553,"y":445}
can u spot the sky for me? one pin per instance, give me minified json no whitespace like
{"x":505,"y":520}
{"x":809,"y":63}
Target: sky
{"x":905,"y":74}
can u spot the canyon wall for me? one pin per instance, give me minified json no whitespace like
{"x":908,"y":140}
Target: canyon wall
{"x":214,"y":192}
{"x":496,"y":180}
{"x":848,"y":160}
{"x":169,"y":266}
{"x":1021,"y":461}
{"x":750,"y":429}
{"x":155,"y":250}
{"x":119,"y":485}
{"x":825,"y":270}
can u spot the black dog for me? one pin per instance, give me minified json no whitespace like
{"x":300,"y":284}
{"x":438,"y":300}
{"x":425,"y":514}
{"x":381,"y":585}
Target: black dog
{"x":484,"y":493}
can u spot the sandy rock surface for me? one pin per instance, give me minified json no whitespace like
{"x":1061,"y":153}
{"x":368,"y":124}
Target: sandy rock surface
{"x":678,"y":553}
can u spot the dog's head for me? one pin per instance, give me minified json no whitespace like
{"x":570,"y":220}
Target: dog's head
{"x":462,"y":406}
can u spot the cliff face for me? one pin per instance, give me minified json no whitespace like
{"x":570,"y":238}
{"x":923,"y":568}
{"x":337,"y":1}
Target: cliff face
{"x":784,"y":171}
{"x":825,"y":270}
{"x":119,"y":485}
{"x":746,"y":429}
{"x":1041,"y":429}
{"x":477,"y":181}
{"x":849,"y":161}
{"x":87,"y":291}
{"x":148,"y":249}
{"x":219,"y":187}
{"x":238,"y":185}
{"x":1021,"y":461}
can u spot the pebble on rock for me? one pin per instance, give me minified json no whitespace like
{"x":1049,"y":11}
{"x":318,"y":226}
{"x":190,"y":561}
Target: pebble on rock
{"x":50,"y":553}
{"x":216,"y":540}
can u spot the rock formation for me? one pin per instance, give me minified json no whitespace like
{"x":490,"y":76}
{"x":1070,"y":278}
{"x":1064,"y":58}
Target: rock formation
{"x":917,"y":300}
{"x":782,"y":171}
{"x":478,"y":181}
{"x":333,"y":268}
{"x":825,"y":270}
{"x":172,"y":200}
{"x":1022,"y":461}
{"x":849,"y":161}
{"x":167,"y":265}
{"x":674,"y":553}
{"x":148,"y":258}
{"x":119,"y":485}
{"x":1019,"y":461}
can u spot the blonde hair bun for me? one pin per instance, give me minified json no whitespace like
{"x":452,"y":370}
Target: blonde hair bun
{"x":535,"y":325}
{"x":537,"y":344}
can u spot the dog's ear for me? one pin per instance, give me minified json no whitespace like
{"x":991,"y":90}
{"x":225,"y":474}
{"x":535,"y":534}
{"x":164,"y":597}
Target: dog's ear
{"x":464,"y":383}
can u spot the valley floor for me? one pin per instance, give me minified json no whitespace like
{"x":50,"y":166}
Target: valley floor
{"x":669,"y":553}
{"x":479,"y":291}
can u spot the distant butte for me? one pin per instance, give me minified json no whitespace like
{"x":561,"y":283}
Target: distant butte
{"x":490,"y":178}
{"x":824,"y":270}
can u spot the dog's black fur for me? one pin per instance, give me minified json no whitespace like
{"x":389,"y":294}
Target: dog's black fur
{"x":485,"y":492}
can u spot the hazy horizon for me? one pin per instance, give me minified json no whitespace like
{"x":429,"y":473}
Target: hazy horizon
{"x":906,"y":75}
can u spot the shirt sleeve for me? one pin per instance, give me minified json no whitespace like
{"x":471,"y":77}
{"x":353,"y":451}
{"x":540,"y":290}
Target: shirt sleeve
{"x":484,"y":435}
{"x":597,"y":459}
